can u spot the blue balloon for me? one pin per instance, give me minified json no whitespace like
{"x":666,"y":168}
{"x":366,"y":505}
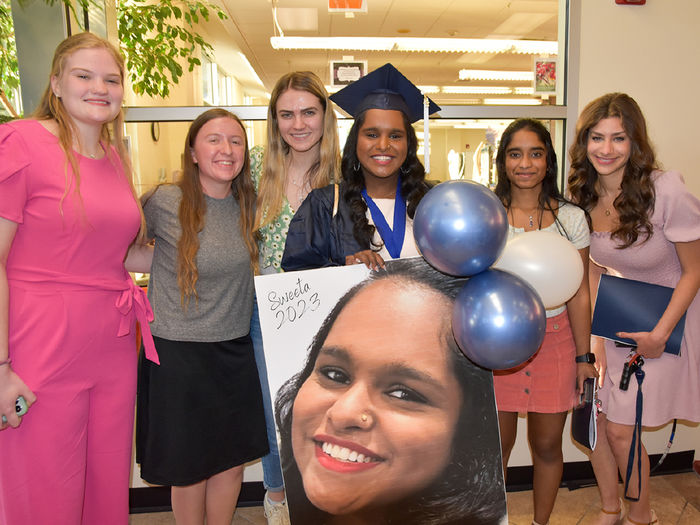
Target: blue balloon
{"x":460,"y":227}
{"x":498,"y":320}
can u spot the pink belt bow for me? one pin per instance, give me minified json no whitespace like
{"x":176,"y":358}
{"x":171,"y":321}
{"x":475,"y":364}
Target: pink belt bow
{"x":134,"y":298}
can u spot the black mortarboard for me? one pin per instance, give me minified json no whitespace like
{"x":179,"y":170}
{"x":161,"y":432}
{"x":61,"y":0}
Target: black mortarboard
{"x":383,"y":88}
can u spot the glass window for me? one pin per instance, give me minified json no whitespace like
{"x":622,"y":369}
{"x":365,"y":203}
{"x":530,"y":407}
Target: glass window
{"x":484,"y":63}
{"x":459,"y":148}
{"x":468,"y":52}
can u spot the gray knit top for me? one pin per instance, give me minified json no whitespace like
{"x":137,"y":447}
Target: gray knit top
{"x":225,"y":284}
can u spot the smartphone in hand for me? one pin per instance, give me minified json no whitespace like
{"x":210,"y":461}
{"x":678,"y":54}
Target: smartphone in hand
{"x":20,"y":408}
{"x":590,"y":387}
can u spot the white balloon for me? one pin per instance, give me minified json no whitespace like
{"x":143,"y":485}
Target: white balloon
{"x":550,"y":263}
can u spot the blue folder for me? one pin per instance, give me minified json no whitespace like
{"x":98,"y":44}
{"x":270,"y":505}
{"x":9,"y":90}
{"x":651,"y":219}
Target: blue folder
{"x":626,"y":305}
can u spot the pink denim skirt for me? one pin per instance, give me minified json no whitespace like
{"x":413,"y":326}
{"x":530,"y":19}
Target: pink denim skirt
{"x":545,"y":383}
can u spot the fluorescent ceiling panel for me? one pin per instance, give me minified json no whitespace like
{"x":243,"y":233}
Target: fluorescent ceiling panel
{"x":437,"y":45}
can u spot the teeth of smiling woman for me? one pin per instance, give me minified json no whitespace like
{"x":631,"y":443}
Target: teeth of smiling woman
{"x":344,"y":453}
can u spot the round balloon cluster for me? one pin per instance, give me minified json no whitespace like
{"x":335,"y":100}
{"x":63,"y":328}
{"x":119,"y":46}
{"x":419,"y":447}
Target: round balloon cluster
{"x":499,"y":321}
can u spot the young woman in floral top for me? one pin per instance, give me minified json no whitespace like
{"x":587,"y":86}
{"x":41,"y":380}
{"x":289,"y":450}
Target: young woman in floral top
{"x":302,"y":154}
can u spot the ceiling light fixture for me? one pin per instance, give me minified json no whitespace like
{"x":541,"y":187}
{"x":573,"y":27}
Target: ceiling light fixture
{"x":409,"y":44}
{"x":477,"y":90}
{"x":465,"y":90}
{"x":483,"y":74}
{"x":512,"y":101}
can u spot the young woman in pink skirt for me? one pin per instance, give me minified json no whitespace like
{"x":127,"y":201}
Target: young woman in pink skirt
{"x":545,"y":386}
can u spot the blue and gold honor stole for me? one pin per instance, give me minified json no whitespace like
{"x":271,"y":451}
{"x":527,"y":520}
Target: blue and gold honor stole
{"x":393,"y":239}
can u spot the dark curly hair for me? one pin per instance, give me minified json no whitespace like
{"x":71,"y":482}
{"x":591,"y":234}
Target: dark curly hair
{"x":413,"y":185}
{"x":550,"y":190}
{"x":635,"y":203}
{"x":470,"y":489}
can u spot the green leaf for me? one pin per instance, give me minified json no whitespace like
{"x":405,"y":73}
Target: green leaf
{"x":152,"y":34}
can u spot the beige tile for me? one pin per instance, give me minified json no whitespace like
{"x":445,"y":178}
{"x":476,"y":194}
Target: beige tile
{"x":675,"y":498}
{"x":690,"y":515}
{"x":575,"y":506}
{"x":249,"y":516}
{"x":519,"y":507}
{"x":688,"y":486}
{"x":666,"y":501}
{"x":152,"y":518}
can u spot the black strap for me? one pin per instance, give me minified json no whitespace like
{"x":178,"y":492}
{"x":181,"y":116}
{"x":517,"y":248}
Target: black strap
{"x":668,"y":447}
{"x":636,"y":439}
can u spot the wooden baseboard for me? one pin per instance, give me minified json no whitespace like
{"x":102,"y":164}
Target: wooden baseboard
{"x":576,"y":475}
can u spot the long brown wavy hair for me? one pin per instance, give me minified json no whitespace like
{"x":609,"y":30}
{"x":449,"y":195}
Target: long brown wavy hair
{"x":193,"y":208}
{"x":635,"y":203}
{"x":51,"y":108}
{"x":323,"y":172}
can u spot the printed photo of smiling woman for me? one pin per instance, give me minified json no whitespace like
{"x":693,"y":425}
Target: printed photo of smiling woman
{"x":388,"y":422}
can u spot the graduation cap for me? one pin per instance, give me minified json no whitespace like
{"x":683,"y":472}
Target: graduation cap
{"x":383,"y":88}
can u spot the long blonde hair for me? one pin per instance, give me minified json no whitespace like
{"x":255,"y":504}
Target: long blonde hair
{"x":321,"y":173}
{"x":51,"y":108}
{"x":193,"y":208}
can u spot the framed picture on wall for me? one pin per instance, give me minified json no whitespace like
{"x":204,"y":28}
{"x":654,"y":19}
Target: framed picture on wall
{"x":344,"y":72}
{"x":545,"y":75}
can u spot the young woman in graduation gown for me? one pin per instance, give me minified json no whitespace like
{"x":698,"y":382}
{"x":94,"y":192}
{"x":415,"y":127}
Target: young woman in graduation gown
{"x":368,"y":217}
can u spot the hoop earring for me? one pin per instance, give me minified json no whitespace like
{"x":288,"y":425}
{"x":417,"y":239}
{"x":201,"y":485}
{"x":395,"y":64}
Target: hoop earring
{"x":404,"y":170}
{"x":357,"y":166}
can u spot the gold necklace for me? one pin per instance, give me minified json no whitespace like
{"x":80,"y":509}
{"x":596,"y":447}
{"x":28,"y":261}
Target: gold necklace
{"x":94,"y":155}
{"x":606,"y":209}
{"x":606,"y":196}
{"x":302,"y":189}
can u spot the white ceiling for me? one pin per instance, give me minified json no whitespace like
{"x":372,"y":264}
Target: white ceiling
{"x":251,"y":25}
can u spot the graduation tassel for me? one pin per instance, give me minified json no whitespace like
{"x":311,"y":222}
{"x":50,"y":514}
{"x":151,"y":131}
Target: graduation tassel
{"x":426,"y":133}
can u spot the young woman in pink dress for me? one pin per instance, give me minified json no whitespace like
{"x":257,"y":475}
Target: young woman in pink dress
{"x":645,"y":226}
{"x":69,"y":220}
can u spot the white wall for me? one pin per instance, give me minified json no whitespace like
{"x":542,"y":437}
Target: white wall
{"x":649,"y":52}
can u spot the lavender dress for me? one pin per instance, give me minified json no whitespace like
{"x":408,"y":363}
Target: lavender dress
{"x":671,"y":385}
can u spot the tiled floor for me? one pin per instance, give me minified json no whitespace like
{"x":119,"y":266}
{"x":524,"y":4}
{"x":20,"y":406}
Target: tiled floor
{"x":676,"y":499}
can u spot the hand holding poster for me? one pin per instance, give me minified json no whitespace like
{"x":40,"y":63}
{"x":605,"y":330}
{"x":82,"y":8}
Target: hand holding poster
{"x":381,"y":417}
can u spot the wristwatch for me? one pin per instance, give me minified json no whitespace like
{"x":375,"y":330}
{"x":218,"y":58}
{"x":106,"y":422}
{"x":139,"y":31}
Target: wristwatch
{"x":586,"y":358}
